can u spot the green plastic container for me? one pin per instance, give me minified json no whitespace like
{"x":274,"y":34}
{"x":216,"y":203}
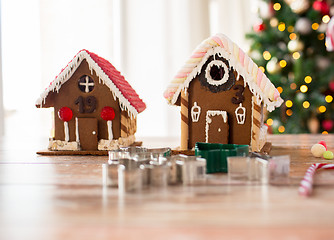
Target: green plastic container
{"x":216,"y":154}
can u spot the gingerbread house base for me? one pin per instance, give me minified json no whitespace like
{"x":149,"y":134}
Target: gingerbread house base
{"x":115,"y":144}
{"x":58,"y":145}
{"x":80,"y":152}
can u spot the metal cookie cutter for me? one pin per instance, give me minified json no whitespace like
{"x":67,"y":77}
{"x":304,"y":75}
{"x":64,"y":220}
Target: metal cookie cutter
{"x":129,"y":175}
{"x":158,"y":173}
{"x":194,"y":170}
{"x":187,"y":170}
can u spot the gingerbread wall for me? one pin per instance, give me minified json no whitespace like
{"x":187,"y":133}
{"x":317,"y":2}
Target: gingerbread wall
{"x":208,"y":100}
{"x":68,"y":95}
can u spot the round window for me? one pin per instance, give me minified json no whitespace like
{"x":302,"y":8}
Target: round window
{"x":86,"y":84}
{"x":216,"y":73}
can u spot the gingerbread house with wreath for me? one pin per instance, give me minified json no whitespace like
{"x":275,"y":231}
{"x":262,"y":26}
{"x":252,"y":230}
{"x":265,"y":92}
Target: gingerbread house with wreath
{"x":95,"y":107}
{"x":222,"y":94}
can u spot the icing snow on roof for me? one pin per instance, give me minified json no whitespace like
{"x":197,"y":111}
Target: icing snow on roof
{"x":108,"y":75}
{"x":256,"y":80}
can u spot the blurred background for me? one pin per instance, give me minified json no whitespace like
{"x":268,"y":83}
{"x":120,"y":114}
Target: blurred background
{"x":149,"y":40}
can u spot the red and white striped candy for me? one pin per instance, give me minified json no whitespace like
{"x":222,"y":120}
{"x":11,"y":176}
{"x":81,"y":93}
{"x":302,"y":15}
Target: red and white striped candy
{"x":330,"y":36}
{"x":306,"y":185}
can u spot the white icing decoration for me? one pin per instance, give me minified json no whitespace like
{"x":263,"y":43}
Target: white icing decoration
{"x":66,"y":130}
{"x":87,"y":84}
{"x":68,"y":71}
{"x":195,"y":112}
{"x":208,"y":120}
{"x":77,"y":139}
{"x":240,"y":114}
{"x":208,"y":77}
{"x":110,"y":134}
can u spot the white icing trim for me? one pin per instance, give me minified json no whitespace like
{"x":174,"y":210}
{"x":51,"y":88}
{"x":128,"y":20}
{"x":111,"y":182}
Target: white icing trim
{"x":240,"y":116}
{"x":195,"y":112}
{"x":252,"y":143}
{"x":217,"y":63}
{"x":77,"y":138}
{"x":208,"y":120}
{"x":110,"y":134}
{"x":66,"y":131}
{"x":68,"y":71}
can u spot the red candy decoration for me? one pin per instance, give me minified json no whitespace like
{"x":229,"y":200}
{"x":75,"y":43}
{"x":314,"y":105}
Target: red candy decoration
{"x":107,"y":113}
{"x":65,"y":114}
{"x":323,"y":143}
{"x":321,"y":6}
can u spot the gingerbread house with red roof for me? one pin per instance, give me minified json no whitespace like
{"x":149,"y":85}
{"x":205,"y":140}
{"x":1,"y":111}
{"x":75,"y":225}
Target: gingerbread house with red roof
{"x":95,"y":107}
{"x":222,"y":94}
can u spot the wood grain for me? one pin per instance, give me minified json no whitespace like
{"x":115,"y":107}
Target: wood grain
{"x":62,"y":197}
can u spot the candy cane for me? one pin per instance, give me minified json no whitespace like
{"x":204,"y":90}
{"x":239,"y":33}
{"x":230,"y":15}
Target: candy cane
{"x":306,"y":184}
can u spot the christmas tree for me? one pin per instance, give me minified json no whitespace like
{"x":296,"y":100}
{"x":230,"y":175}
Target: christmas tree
{"x":288,"y":41}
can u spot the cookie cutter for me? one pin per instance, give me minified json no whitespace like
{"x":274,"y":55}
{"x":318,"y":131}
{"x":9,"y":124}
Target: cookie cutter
{"x":129,"y":175}
{"x":132,"y":169}
{"x":279,"y":169}
{"x":187,"y":170}
{"x":194,"y":170}
{"x":216,"y":154}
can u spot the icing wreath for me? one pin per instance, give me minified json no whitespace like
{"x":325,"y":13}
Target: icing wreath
{"x":218,"y":78}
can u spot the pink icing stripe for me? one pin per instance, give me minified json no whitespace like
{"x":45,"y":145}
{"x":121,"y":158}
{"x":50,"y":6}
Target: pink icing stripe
{"x":217,"y":40}
{"x":241,"y":56}
{"x":259,"y":77}
{"x":181,"y":75}
{"x":198,"y":55}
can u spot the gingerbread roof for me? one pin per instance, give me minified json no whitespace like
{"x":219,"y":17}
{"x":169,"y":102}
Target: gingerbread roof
{"x":108,"y":75}
{"x":257,"y":81}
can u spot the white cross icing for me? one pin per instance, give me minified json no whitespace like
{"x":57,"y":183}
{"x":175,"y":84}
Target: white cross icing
{"x":87,"y":84}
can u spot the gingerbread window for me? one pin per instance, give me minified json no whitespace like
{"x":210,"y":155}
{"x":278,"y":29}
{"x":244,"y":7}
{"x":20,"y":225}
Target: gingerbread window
{"x":86,"y":84}
{"x":216,"y":74}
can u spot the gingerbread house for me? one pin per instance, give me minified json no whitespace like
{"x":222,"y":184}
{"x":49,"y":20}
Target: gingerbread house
{"x":222,"y":94}
{"x":95,"y":107}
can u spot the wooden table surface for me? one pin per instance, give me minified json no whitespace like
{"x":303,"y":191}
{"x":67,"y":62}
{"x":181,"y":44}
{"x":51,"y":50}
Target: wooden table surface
{"x":62,"y":197}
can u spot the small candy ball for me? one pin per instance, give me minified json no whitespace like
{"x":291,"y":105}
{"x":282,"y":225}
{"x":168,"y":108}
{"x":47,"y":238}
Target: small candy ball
{"x":107,"y":113}
{"x":318,"y":150}
{"x":323,"y":143}
{"x":65,"y":114}
{"x":328,"y":155}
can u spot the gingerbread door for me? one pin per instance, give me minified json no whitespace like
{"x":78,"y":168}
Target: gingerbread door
{"x":216,"y":127}
{"x":87,"y":131}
